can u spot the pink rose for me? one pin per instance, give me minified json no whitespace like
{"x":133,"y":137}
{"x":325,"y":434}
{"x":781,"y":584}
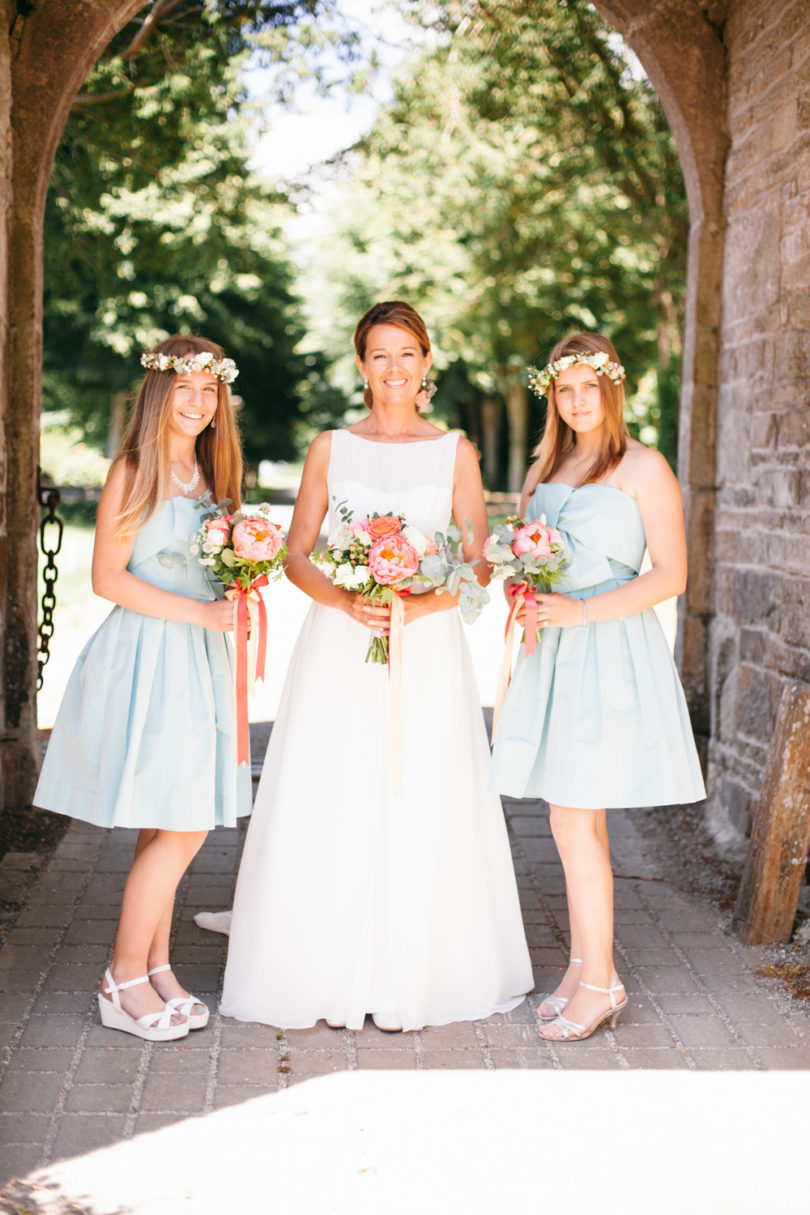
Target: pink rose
{"x":391,"y":559}
{"x":257,"y":539}
{"x":535,"y":539}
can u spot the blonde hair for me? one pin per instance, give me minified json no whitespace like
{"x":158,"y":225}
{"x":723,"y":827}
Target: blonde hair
{"x":144,"y":447}
{"x":558,"y":439}
{"x":389,"y":312}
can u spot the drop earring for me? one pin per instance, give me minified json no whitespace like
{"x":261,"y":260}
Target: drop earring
{"x":424,"y":381}
{"x":214,"y":423}
{"x":365,"y":383}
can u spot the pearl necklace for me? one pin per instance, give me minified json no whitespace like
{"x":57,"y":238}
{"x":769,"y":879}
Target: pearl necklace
{"x":186,"y":487}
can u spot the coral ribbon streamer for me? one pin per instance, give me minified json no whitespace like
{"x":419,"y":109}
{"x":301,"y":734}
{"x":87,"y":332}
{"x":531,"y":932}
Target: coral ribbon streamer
{"x":521,"y":593}
{"x":251,"y":655}
{"x":395,"y":693}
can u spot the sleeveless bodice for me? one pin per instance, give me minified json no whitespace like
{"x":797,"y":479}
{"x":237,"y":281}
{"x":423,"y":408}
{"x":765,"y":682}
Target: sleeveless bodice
{"x":160,"y":554}
{"x":411,"y":479}
{"x":601,"y":527}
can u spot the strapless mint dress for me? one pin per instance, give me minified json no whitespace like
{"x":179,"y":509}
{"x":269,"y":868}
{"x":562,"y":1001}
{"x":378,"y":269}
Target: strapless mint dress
{"x":144,"y":736}
{"x":597,"y":716}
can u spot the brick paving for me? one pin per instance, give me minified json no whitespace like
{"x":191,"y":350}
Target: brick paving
{"x":68,"y":1086}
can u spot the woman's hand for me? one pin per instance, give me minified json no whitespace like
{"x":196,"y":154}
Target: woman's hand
{"x":219,"y":616}
{"x":374,"y":616}
{"x":554,"y":611}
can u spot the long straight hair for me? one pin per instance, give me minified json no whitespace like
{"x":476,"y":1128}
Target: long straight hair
{"x":145,"y":445}
{"x":558,"y":439}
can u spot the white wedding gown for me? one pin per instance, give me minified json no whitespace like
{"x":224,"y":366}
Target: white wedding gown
{"x":350,"y":900}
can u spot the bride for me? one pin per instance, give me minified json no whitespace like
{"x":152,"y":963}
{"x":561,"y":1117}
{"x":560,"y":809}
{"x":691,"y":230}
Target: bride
{"x":353,"y":899}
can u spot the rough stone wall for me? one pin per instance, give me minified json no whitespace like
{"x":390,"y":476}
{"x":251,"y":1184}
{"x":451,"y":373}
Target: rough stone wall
{"x":760,"y":635}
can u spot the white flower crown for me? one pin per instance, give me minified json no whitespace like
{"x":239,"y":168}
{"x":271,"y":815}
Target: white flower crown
{"x":224,"y":369}
{"x":599,"y":362}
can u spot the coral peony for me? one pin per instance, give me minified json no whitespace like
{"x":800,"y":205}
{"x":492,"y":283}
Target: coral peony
{"x":257,"y":539}
{"x":391,"y":559}
{"x":535,"y":539}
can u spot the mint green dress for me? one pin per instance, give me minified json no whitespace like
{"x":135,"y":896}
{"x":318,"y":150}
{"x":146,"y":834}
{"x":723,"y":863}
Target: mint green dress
{"x":596,"y":717}
{"x":144,"y":736}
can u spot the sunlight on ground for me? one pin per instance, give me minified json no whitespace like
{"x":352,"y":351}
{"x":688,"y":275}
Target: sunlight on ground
{"x":389,"y":1143}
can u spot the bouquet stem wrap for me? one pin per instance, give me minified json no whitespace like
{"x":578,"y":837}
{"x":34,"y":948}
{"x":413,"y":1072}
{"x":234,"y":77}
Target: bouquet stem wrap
{"x":520,"y":593}
{"x":250,"y":644}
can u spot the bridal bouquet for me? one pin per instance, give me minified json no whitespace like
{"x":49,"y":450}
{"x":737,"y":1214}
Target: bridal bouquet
{"x":383,"y":557}
{"x":532,"y":557}
{"x":244,"y":549}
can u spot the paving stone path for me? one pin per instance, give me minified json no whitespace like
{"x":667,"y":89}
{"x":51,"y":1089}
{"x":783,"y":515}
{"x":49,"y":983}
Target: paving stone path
{"x":68,"y":1086}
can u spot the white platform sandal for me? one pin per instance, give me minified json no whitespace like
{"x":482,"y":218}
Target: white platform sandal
{"x":153,"y":1027}
{"x":185,"y":1005}
{"x":573,"y":1032}
{"x":558,"y":1003}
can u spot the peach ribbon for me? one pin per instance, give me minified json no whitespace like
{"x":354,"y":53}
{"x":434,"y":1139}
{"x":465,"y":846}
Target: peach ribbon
{"x":395,"y":636}
{"x":250,"y":644}
{"x":520,"y":593}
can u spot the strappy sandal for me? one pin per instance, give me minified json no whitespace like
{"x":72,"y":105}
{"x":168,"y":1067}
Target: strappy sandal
{"x":154,"y":1027}
{"x":185,"y":1005}
{"x":558,"y":1003}
{"x":573,"y":1032}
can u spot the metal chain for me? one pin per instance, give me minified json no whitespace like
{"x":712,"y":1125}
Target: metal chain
{"x":49,"y":498}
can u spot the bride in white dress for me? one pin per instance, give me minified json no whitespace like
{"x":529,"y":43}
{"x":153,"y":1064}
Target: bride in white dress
{"x":350,"y":899}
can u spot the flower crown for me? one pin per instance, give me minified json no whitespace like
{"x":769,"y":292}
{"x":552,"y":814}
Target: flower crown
{"x":600,"y":362}
{"x":224,"y":369}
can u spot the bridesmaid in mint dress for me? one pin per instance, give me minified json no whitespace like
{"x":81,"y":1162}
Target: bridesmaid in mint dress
{"x":144,"y":734}
{"x":596,"y":718}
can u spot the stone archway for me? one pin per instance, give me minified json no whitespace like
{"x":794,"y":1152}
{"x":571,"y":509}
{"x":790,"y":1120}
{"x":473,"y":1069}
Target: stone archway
{"x":47,"y":49}
{"x":44,"y":63}
{"x":681,"y":49}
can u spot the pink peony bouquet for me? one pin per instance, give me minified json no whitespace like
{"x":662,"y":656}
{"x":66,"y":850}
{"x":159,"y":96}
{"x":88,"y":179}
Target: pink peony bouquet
{"x":245,"y":549}
{"x":382,"y":556}
{"x":531,"y":556}
{"x":240,"y":547}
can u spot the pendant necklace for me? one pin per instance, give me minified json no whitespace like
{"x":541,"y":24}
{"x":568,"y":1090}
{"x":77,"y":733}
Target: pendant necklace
{"x":186,"y":487}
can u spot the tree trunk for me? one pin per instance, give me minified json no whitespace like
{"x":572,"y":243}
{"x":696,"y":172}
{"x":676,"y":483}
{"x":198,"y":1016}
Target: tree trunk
{"x":491,"y":418}
{"x":118,"y":413}
{"x":517,"y":411}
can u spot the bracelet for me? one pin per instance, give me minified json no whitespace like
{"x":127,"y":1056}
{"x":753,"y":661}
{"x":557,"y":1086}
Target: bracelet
{"x":584,"y":611}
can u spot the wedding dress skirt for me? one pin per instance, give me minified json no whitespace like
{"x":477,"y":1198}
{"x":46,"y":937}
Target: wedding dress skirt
{"x":352,"y":900}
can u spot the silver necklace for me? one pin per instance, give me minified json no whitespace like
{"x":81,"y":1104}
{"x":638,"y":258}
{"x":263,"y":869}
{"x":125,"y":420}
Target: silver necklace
{"x":186,"y":487}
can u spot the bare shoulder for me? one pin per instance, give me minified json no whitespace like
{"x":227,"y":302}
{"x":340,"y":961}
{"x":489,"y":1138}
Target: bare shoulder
{"x":320,"y":450}
{"x":644,"y":468}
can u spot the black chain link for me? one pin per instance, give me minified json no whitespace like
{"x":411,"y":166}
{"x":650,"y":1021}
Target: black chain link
{"x":49,"y":498}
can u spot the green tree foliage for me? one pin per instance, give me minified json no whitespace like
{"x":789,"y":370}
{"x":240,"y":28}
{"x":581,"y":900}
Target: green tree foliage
{"x":153,"y":224}
{"x":523,"y":184}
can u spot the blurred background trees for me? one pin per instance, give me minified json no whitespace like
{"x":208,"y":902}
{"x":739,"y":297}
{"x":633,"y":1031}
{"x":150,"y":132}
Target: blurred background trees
{"x":520,"y":183}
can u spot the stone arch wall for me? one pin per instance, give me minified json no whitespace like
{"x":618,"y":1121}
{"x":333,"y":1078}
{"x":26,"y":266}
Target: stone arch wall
{"x":47,"y":49}
{"x":734,"y":79}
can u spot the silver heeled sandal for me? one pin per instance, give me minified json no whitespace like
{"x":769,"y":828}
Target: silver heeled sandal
{"x":558,"y":1003}
{"x":153,"y":1027}
{"x":573,"y":1032}
{"x":185,"y":1004}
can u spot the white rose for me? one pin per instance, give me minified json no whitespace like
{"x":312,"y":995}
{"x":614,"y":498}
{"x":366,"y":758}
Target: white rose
{"x":360,"y":577}
{"x":214,"y":542}
{"x":364,"y":538}
{"x":344,"y":575}
{"x":416,"y":538}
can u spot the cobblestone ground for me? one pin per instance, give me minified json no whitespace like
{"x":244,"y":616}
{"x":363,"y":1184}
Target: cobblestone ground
{"x":69,"y":1086}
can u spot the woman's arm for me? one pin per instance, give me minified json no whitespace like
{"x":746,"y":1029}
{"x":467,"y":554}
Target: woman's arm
{"x":310,"y":508}
{"x":112,"y":580}
{"x":470,"y":517}
{"x":650,"y":479}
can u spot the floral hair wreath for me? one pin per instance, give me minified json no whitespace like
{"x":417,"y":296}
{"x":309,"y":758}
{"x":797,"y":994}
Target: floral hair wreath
{"x":224,"y":369}
{"x":600,"y":362}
